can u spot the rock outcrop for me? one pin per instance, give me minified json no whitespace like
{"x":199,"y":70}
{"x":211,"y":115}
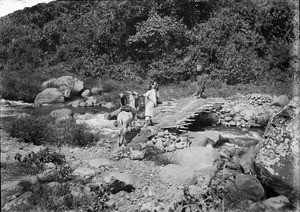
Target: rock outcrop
{"x":277,"y":156}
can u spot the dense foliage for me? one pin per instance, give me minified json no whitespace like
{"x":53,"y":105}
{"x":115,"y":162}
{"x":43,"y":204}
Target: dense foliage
{"x":239,"y":41}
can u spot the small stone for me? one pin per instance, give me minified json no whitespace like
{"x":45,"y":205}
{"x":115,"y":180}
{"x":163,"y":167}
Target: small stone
{"x":110,"y":203}
{"x":49,"y":166}
{"x":160,"y":134}
{"x":232,"y":123}
{"x":227,"y":118}
{"x":180,"y":145}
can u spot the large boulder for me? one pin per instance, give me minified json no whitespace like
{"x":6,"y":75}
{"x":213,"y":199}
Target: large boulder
{"x":49,"y":96}
{"x":73,"y":83}
{"x":277,"y":157}
{"x":280,"y":101}
{"x":243,"y":187}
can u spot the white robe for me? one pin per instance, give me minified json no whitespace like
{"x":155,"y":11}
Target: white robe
{"x":150,"y":102}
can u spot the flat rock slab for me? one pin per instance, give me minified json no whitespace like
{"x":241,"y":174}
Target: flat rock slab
{"x":178,"y":175}
{"x":197,"y":139}
{"x":194,"y":158}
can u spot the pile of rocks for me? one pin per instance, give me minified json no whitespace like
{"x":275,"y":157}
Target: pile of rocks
{"x":163,"y":141}
{"x":90,"y":97}
{"x":168,"y":142}
{"x":88,"y":102}
{"x":257,"y":99}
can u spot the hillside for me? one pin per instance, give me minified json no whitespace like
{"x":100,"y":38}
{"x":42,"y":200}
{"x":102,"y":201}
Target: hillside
{"x":235,"y":41}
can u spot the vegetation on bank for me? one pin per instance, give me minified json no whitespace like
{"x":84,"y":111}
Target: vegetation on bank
{"x":44,"y":130}
{"x":237,"y":42}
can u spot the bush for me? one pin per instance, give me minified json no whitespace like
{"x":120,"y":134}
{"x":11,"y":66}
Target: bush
{"x":44,"y":130}
{"x":69,"y":132}
{"x":32,"y":129}
{"x":43,"y":156}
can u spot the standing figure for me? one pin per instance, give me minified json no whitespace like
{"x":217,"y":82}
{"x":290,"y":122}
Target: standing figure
{"x":150,"y":103}
{"x":201,"y":81}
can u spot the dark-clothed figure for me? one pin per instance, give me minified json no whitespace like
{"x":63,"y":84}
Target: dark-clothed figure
{"x":123,"y":100}
{"x":201,"y":82}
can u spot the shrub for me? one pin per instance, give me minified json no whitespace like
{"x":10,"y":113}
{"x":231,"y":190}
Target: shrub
{"x":43,"y":156}
{"x":43,"y":130}
{"x":69,"y":132}
{"x":32,"y":129}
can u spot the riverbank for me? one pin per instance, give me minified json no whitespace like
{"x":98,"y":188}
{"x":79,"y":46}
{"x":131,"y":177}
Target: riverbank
{"x":168,"y":176}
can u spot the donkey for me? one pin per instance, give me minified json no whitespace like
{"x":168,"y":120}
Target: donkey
{"x":124,"y":120}
{"x":127,"y":117}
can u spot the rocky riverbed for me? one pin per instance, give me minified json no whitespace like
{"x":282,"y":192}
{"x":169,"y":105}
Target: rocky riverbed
{"x":163,"y":169}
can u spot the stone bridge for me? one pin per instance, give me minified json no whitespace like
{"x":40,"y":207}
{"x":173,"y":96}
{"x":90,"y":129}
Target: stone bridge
{"x":252,"y":110}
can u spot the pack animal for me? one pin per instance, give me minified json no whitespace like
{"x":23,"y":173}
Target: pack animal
{"x":124,"y":121}
{"x":127,"y":117}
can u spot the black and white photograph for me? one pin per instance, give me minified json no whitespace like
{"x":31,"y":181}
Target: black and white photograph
{"x":150,"y":105}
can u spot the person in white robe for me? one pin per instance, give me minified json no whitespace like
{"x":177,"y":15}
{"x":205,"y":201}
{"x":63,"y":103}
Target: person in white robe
{"x":150,"y":103}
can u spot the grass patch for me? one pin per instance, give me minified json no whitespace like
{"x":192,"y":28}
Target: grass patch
{"x":218,"y":88}
{"x":12,"y":171}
